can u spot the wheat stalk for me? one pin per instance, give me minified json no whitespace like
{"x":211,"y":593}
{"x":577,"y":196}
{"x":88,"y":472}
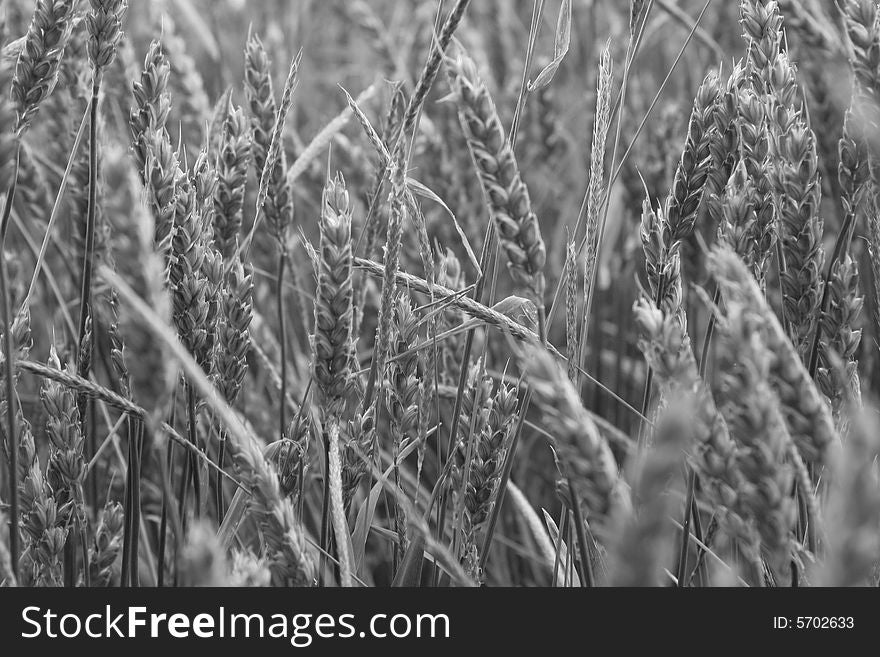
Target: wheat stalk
{"x":693,"y":167}
{"x":839,"y":323}
{"x":233,"y":345}
{"x":152,"y":102}
{"x":752,"y":413}
{"x":571,"y":308}
{"x":796,"y":191}
{"x":582,"y":453}
{"x":105,"y":32}
{"x":391,"y":265}
{"x":402,"y":395}
{"x":668,"y":352}
{"x":65,"y":469}
{"x":805,"y":412}
{"x":232,"y":167}
{"x":432,"y":66}
{"x":515,"y":223}
{"x":106,"y":546}
{"x":754,"y":129}
{"x":37,"y":69}
{"x":491,"y":439}
{"x":333,"y":341}
{"x":288,"y":559}
{"x":596,"y":189}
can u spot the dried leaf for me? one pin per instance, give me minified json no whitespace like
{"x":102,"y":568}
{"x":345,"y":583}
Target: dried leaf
{"x":560,"y":47}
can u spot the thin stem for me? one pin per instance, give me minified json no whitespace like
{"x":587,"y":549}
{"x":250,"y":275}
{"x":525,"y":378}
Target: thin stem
{"x":193,"y":439}
{"x":11,"y":434}
{"x":130,"y":539}
{"x":165,"y":468}
{"x":182,"y":496}
{"x":325,"y":511}
{"x":163,"y":521}
{"x":136,"y":443}
{"x":218,"y":487}
{"x":10,"y":197}
{"x":84,"y":365}
{"x":462,"y":377}
{"x":616,"y":171}
{"x":338,"y":513}
{"x":56,"y":208}
{"x":632,"y":49}
{"x":126,"y":529}
{"x":399,"y":514}
{"x":88,"y":256}
{"x":282,"y":337}
{"x":653,"y":104}
{"x":537,"y":10}
{"x":646,"y":402}
{"x":82,"y":530}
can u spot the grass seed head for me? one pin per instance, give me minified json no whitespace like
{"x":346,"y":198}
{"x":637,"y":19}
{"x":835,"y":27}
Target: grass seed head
{"x":863,"y":30}
{"x":753,"y":415}
{"x":693,"y":168}
{"x":107,"y":546}
{"x":152,"y":102}
{"x":582,"y":453}
{"x":841,"y":335}
{"x":234,"y":339}
{"x":510,"y":206}
{"x":37,"y":70}
{"x":232,"y":167}
{"x":762,"y":30}
{"x":797,"y":194}
{"x":333,"y":342}
{"x":104,"y":24}
{"x":804,"y":410}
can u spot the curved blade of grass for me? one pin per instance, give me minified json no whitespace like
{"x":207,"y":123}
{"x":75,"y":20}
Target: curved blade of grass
{"x":367,"y":511}
{"x":410,"y":571}
{"x":545,"y":546}
{"x":562,"y":554}
{"x":560,"y":48}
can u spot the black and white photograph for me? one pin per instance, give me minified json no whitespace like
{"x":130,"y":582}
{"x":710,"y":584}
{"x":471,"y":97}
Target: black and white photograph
{"x":432,"y":295}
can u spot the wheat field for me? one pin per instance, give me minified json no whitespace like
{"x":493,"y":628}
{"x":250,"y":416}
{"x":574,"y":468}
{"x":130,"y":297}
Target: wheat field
{"x":439,"y":293}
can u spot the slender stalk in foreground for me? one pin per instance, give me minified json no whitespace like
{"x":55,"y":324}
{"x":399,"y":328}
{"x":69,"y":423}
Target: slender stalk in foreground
{"x":337,"y":511}
{"x":282,"y":338}
{"x":105,"y":32}
{"x":11,"y":434}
